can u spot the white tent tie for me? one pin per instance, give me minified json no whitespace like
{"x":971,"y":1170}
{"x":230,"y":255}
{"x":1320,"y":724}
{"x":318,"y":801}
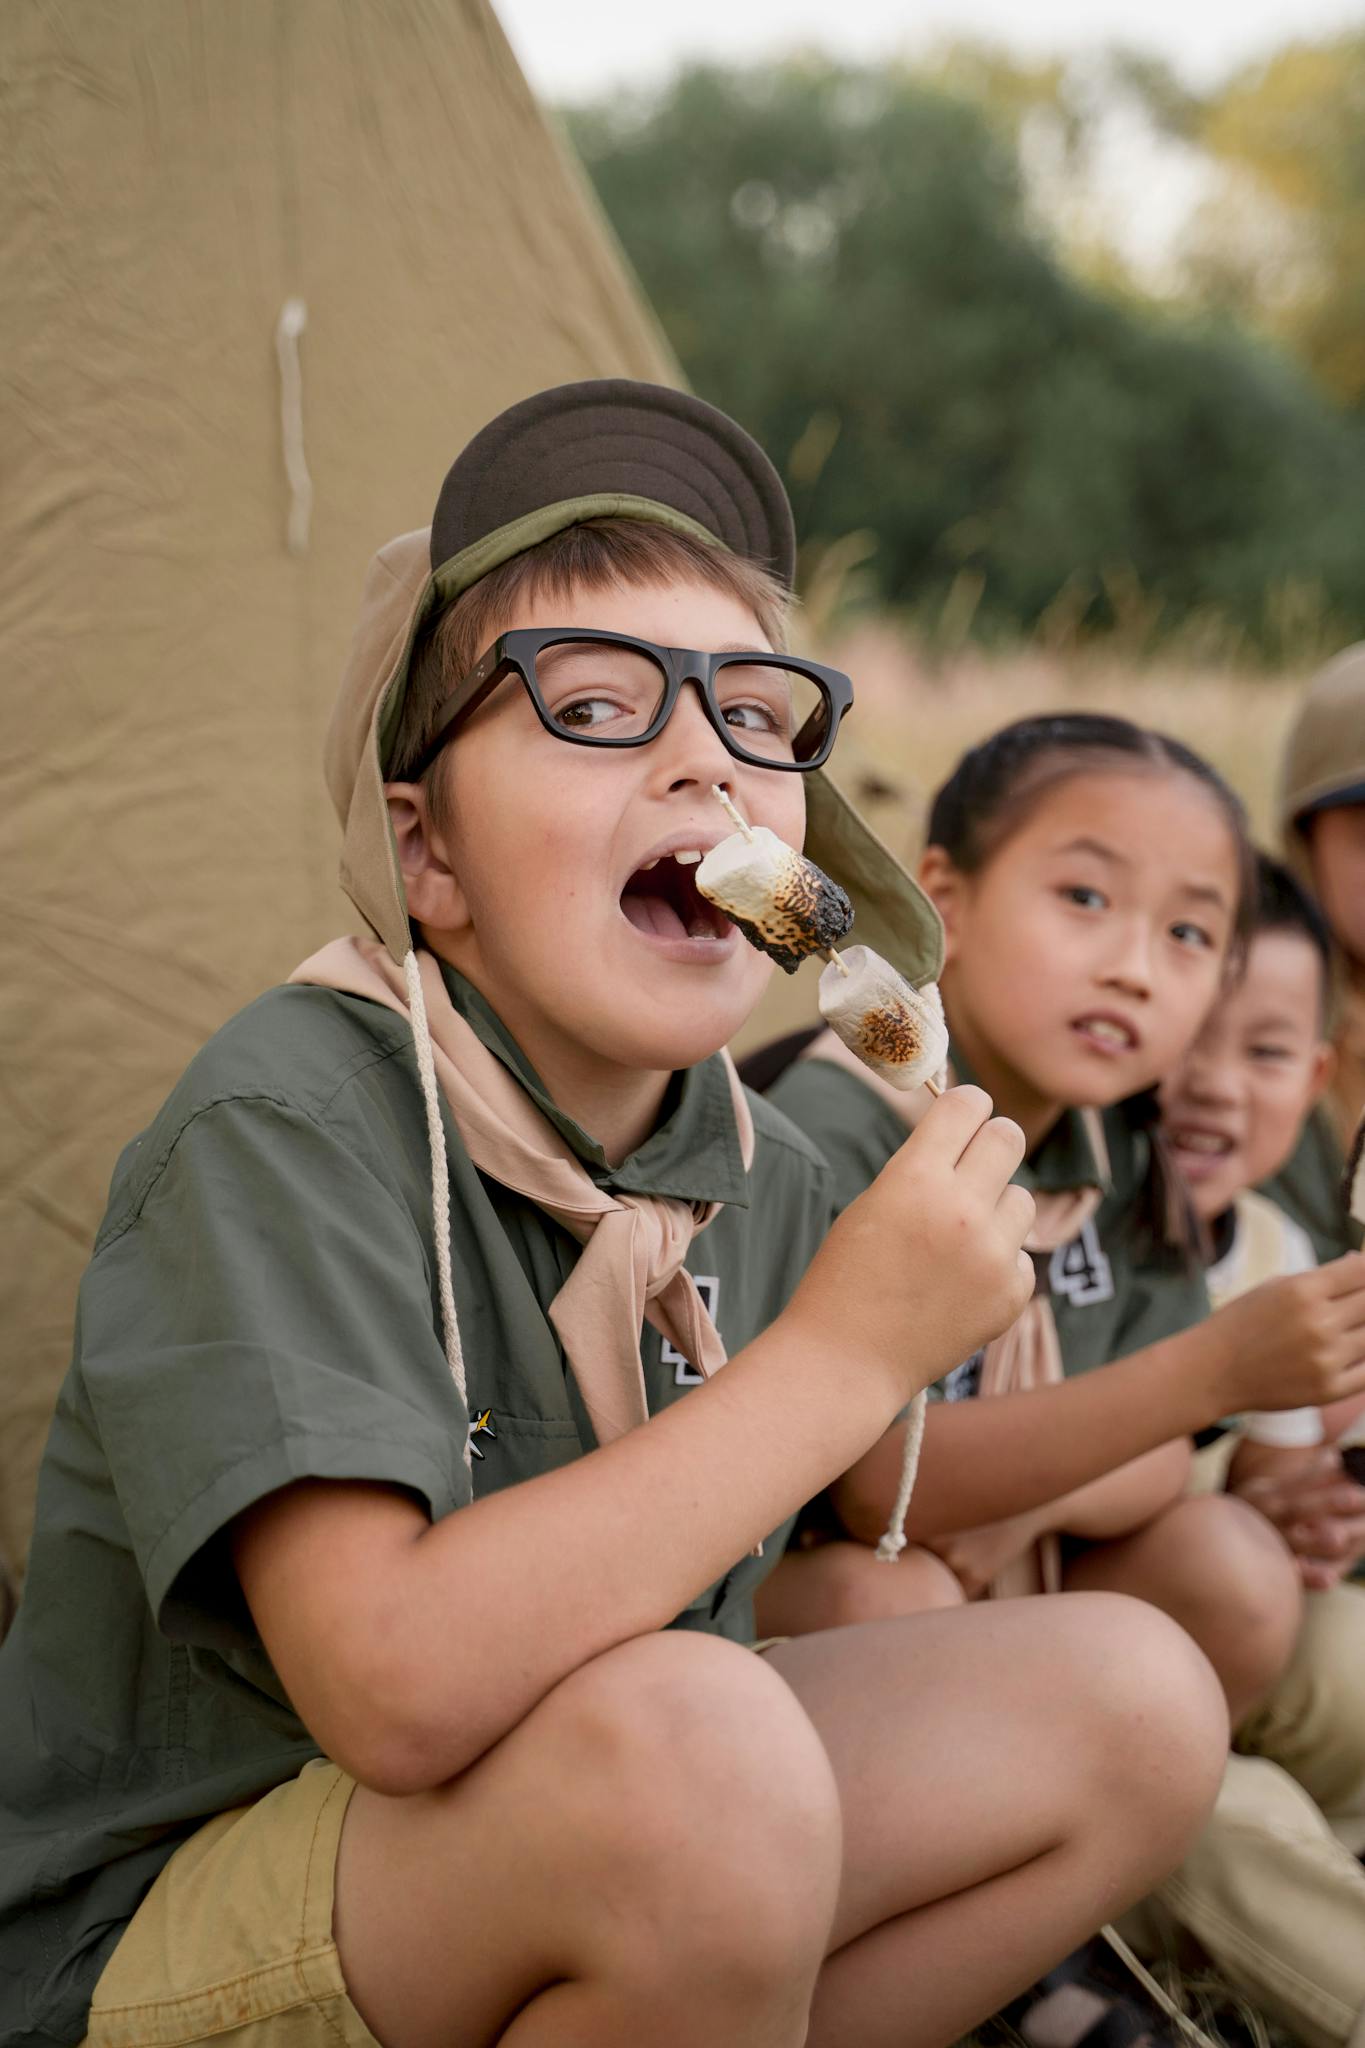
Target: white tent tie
{"x":290,"y":325}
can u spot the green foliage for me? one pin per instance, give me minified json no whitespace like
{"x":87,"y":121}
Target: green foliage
{"x":1295,"y":127}
{"x":846,"y":261}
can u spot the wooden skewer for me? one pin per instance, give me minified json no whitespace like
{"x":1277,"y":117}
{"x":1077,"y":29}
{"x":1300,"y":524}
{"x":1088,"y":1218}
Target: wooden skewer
{"x":736,"y":817}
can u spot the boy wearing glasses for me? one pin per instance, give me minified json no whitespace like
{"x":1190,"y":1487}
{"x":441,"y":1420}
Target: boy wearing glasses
{"x":382,"y":1673}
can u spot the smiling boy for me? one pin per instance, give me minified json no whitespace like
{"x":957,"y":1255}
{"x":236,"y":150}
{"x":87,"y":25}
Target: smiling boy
{"x":1235,"y":1107}
{"x":372,"y":1680}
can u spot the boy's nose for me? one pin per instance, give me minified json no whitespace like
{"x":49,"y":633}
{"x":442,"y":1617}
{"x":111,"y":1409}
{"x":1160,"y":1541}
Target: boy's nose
{"x":689,"y":749}
{"x":1209,"y":1080}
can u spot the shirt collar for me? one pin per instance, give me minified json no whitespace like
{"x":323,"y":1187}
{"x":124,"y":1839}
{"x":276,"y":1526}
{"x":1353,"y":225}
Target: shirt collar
{"x":692,"y":1156}
{"x":1063,"y":1158}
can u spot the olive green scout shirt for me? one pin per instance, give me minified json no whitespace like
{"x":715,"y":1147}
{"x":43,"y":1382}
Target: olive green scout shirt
{"x":1109,"y":1295}
{"x":1308,"y":1188}
{"x":261,"y":1306}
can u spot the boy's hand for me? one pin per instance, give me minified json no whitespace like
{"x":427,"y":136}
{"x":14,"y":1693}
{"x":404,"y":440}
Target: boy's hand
{"x":1295,"y":1343}
{"x":928,"y":1264}
{"x":1316,"y":1508}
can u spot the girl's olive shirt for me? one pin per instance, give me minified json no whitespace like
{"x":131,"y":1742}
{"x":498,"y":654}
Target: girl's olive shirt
{"x":1110,"y":1292}
{"x":262,"y":1307}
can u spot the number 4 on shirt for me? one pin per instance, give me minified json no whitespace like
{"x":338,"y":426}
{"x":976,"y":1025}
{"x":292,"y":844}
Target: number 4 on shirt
{"x":1081,"y":1271}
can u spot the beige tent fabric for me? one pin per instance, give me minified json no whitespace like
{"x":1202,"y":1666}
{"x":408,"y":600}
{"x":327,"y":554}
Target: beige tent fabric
{"x":174,"y":174}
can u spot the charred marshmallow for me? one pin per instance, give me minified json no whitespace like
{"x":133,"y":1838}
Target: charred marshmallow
{"x":781,"y":902}
{"x":896,"y":1030}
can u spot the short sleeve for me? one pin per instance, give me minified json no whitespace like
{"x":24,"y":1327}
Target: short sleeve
{"x":265,"y":1315}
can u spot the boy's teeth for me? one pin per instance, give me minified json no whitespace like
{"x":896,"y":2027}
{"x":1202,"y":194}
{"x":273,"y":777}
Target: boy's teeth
{"x":1113,"y":1034}
{"x":647,"y":865}
{"x":688,"y":860}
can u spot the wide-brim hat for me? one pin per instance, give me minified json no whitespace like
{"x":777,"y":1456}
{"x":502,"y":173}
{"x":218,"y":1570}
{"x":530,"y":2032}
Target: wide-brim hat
{"x":607,"y":448}
{"x":1324,"y":756}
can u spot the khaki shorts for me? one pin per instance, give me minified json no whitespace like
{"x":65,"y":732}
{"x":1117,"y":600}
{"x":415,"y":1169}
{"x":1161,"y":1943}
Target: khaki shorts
{"x":235,"y":1936}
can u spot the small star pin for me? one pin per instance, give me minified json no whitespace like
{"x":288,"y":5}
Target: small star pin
{"x":482,"y":1425}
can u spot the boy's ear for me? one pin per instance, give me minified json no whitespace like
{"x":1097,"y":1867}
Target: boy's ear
{"x":942,"y":882}
{"x":1322,"y":1072}
{"x":435,"y":898}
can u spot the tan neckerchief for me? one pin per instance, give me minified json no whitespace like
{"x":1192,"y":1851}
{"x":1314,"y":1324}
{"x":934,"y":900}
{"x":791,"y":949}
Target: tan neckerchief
{"x":631,"y":1268}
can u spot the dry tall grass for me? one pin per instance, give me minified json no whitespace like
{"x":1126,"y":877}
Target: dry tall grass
{"x":912,"y":720}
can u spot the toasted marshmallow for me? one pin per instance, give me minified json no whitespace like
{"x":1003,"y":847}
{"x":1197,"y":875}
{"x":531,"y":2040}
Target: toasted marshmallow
{"x":896,"y":1030}
{"x":781,"y":902}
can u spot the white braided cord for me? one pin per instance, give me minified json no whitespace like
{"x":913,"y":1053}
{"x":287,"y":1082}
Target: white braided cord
{"x":893,"y":1538}
{"x":440,"y":1181}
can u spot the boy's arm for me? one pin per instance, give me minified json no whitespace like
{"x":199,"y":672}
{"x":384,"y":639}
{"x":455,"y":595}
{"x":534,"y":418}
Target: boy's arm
{"x":409,"y":1648}
{"x":1291,"y":1343}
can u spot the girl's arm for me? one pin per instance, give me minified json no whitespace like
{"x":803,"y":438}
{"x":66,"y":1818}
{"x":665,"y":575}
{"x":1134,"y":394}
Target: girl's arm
{"x":408,"y":1648}
{"x":1124,"y":1500}
{"x":1292,"y":1343}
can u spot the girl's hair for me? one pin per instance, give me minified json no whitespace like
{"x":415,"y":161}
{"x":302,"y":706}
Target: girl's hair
{"x":994,"y":789}
{"x":597,"y":554}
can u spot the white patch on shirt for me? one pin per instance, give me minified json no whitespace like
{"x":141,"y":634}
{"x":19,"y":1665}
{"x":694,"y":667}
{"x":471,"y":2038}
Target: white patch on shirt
{"x":1081,"y":1271}
{"x":685,"y":1373}
{"x":964,"y":1381}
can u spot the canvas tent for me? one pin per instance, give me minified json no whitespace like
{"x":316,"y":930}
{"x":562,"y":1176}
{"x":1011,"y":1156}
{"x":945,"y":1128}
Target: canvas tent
{"x":176,"y":176}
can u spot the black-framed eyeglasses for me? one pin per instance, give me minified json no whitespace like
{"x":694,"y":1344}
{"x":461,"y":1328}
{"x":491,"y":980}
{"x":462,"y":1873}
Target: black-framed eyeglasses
{"x":606,"y":690}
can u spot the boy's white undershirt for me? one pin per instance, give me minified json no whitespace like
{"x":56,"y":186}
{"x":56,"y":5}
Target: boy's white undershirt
{"x":1266,"y":1245}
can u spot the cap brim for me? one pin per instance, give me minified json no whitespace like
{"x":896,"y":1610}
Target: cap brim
{"x":891,"y":913}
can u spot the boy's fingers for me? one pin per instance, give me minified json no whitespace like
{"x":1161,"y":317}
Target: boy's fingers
{"x":1345,"y":1275}
{"x":1016,"y":1209}
{"x":948,"y":1126}
{"x":992,"y":1156}
{"x":1351,"y":1380}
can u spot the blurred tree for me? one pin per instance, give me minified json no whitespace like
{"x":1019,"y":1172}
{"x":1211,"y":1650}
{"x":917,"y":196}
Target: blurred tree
{"x":844,"y":260}
{"x":1295,"y":127}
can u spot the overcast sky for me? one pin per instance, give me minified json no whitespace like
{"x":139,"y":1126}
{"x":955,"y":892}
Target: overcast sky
{"x":573,"y":49}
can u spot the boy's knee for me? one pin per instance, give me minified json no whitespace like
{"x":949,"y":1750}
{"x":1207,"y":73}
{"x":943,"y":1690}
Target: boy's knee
{"x":1152,"y":1715}
{"x":708,"y":1796}
{"x":1246,"y":1577}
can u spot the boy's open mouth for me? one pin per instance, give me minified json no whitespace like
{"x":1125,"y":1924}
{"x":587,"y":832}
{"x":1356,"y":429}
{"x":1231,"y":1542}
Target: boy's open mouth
{"x":1201,"y":1141}
{"x":663,"y":901}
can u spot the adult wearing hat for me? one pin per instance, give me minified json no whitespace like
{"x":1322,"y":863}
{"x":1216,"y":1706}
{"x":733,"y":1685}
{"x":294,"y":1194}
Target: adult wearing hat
{"x":1322,"y":826}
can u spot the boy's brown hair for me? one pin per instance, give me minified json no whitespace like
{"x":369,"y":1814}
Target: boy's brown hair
{"x":598,"y":554}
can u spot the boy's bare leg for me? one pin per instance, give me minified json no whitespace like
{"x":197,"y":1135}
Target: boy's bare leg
{"x":1224,"y":1573}
{"x":652,"y":1855}
{"x":837,"y":1584}
{"x":1011,"y":1776}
